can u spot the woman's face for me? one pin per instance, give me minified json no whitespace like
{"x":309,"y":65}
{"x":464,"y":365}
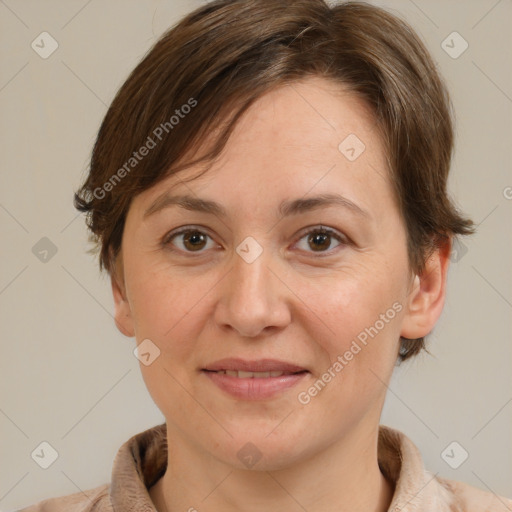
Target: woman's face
{"x":261,"y":289}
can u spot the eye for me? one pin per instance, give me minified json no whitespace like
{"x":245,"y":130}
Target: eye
{"x":190,"y":239}
{"x":320,"y":239}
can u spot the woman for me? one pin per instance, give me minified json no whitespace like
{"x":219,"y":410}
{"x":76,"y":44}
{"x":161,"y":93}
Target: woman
{"x":268,"y":193}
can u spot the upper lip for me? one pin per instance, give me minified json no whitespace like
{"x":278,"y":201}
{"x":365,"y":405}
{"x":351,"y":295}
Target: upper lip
{"x":257,"y":365}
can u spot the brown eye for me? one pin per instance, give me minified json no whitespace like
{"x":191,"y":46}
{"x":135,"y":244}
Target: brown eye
{"x":320,"y":240}
{"x":194,"y":240}
{"x":188,"y":240}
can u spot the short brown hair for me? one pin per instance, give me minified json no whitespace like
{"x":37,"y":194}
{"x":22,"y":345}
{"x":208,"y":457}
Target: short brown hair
{"x":224,"y":55}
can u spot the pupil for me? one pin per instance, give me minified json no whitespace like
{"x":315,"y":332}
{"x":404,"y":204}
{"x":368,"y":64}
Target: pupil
{"x":322,"y":237}
{"x":193,"y":238}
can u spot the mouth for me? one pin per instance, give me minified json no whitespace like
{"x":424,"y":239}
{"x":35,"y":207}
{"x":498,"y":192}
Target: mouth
{"x":257,"y":366}
{"x":254,"y":380}
{"x":240,"y":374}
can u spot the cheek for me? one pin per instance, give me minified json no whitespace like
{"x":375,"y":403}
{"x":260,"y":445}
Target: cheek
{"x":360,"y":353}
{"x":351,"y":305}
{"x":366,"y":317}
{"x":167,"y":307}
{"x":167,"y":310}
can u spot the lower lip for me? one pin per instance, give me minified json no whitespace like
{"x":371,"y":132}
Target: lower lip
{"x":254,"y":389}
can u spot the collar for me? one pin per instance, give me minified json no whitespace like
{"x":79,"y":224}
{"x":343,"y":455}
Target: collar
{"x":142,"y":460}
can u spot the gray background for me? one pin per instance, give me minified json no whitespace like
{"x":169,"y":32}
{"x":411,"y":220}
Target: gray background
{"x":71,"y":379}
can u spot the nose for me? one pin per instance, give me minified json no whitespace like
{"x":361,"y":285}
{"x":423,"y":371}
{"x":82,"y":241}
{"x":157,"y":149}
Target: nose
{"x":253,"y":298}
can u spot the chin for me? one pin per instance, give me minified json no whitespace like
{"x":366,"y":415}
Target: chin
{"x":252,"y":450}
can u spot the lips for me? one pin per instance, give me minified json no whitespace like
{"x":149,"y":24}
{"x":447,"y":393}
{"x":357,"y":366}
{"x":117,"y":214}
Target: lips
{"x":254,"y":380}
{"x":251,"y":375}
{"x":256,"y":366}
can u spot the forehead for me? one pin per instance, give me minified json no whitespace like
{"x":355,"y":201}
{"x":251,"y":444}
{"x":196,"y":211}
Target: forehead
{"x":307,"y":136}
{"x":307,"y":116}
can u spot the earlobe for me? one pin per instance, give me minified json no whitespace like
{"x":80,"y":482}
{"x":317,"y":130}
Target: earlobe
{"x":427,"y":295}
{"x":123,"y":315}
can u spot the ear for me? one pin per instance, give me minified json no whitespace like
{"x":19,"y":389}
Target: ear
{"x":123,"y":312}
{"x":426,"y":298}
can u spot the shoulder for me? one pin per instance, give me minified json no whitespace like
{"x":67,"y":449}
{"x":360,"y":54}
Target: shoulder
{"x":92,"y":500}
{"x":466,"y":498}
{"x":418,"y":490}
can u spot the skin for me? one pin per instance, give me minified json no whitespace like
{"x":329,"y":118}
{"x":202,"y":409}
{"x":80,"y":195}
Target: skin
{"x":290,"y":304}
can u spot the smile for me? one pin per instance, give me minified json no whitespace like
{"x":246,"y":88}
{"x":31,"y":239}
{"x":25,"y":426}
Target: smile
{"x":240,"y":374}
{"x":254,"y":380}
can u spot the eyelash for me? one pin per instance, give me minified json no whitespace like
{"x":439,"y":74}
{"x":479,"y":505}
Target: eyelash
{"x":166,"y":242}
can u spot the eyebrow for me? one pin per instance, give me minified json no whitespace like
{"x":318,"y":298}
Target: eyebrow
{"x":286,"y":208}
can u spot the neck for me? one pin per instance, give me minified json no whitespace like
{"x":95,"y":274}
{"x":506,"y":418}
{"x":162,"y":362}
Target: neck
{"x":344,"y":477}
